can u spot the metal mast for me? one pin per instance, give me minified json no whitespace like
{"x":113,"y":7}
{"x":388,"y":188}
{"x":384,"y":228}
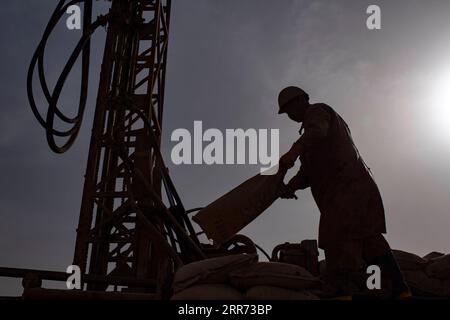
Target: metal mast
{"x":120,"y":231}
{"x":127,"y":236}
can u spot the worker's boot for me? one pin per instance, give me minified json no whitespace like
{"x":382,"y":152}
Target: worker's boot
{"x":390,"y":269}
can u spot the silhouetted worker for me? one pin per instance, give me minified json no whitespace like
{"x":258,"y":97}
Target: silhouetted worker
{"x":351,"y":209}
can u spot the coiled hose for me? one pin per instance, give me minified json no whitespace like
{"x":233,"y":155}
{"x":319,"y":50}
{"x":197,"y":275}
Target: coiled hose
{"x":52,"y":98}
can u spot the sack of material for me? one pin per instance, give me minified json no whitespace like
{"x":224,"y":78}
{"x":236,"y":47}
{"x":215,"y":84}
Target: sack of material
{"x":439,"y":267}
{"x":408,"y":261}
{"x":276,"y":274}
{"x":214,"y":270}
{"x":446,"y":288}
{"x":421,"y":284}
{"x":277,"y":293}
{"x":226,"y":216}
{"x":433,"y":255}
{"x":208,"y":292}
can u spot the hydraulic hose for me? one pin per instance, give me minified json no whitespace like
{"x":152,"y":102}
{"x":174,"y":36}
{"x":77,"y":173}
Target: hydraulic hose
{"x":52,"y":98}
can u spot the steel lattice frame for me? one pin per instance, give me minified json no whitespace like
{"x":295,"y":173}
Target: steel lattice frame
{"x":127,"y":236}
{"x":123,"y":226}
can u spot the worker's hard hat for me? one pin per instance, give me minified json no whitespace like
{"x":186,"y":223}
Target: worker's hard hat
{"x":288,"y":94}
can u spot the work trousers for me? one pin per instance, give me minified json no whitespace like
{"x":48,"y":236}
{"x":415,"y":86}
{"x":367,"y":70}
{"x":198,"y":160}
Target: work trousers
{"x":346,"y":263}
{"x":354,"y":255}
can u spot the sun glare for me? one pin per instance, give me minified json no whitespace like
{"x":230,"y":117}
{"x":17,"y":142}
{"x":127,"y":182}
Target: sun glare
{"x":440,"y":106}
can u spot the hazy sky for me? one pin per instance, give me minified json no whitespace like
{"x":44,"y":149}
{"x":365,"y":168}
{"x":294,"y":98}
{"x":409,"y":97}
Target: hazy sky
{"x":227,"y":62}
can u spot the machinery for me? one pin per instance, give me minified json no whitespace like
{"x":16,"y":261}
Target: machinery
{"x":128,"y":238}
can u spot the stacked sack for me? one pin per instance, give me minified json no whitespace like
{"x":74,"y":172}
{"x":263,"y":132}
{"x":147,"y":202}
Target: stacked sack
{"x":242,"y":277}
{"x":426,"y":276}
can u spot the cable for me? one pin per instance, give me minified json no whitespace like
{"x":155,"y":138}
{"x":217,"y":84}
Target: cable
{"x":263,"y":251}
{"x":52,"y":98}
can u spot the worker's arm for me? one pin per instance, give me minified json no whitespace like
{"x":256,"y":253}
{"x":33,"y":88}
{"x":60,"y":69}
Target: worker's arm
{"x":298,"y":182}
{"x":316,"y":124}
{"x":288,"y":159}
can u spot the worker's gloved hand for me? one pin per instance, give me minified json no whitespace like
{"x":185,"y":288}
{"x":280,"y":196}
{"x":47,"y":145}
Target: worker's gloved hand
{"x":287,"y":161}
{"x":287,"y":192}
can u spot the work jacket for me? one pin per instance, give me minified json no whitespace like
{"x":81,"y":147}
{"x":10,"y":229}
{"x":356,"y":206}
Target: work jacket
{"x":342,"y":185}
